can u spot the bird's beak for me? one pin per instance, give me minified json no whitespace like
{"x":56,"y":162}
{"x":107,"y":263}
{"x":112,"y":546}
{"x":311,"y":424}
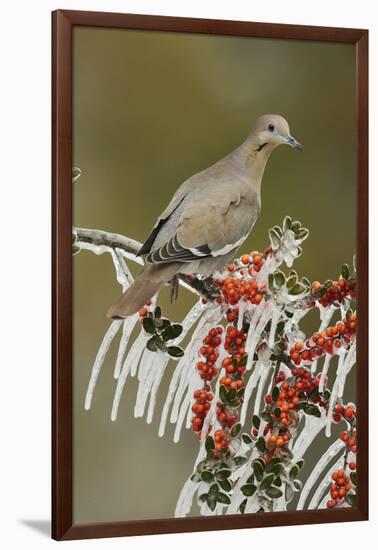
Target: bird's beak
{"x":293,"y":142}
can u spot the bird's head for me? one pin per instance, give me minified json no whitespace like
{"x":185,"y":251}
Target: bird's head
{"x":271,"y":131}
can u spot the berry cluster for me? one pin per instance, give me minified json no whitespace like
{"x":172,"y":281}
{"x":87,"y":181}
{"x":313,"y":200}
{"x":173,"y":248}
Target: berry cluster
{"x":339,"y":488}
{"x":341,"y":482}
{"x":209,"y":351}
{"x":221,"y":441}
{"x":201,"y":407}
{"x":327,"y":341}
{"x":253,"y":261}
{"x":232,"y":382}
{"x":333,"y":292}
{"x":298,"y":392}
{"x":233,"y":290}
{"x":208,"y":371}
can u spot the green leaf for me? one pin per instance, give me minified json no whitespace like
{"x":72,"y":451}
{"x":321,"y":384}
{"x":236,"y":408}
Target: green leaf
{"x":277,"y":469}
{"x":209,"y":444}
{"x":223,"y":394}
{"x":212,"y":502}
{"x":243,"y":361}
{"x":301,"y":405}
{"x":287,"y":222}
{"x":223,"y":498}
{"x":273,"y":492}
{"x":261,"y":444}
{"x":353,"y":478}
{"x":312,"y":410}
{"x":297,"y":289}
{"x":277,"y":411}
{"x":246,"y":439}
{"x":235,"y":430}
{"x":256,"y":421}
{"x":267,"y":481}
{"x":152,"y":344}
{"x":296,"y":225}
{"x":351,"y":499}
{"x":265,"y":415}
{"x":294,"y":471}
{"x":289,"y":493}
{"x":225,"y":485}
{"x":222,"y":474}
{"x":207,"y":476}
{"x":168,"y":333}
{"x":300,"y":463}
{"x":258,"y":470}
{"x":231,"y":394}
{"x":302,"y":234}
{"x":297,"y":484}
{"x":345,"y":272}
{"x":248,"y":490}
{"x":157,"y":312}
{"x":290,"y":281}
{"x":242,"y":506}
{"x":239,"y":460}
{"x":275,"y":239}
{"x":275,"y":393}
{"x":148,"y":325}
{"x":214,"y":489}
{"x":203,"y":497}
{"x":279,"y":279}
{"x":175,"y":351}
{"x":161,"y":345}
{"x":277,"y":481}
{"x":177,"y":329}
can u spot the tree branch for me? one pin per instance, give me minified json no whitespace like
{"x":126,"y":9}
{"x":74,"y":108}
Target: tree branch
{"x":96,"y":237}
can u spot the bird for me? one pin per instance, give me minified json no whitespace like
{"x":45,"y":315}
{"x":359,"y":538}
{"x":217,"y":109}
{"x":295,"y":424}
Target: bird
{"x":208,"y":218}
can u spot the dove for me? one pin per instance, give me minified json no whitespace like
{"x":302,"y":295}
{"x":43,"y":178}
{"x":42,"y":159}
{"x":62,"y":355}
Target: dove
{"x":208,"y":218}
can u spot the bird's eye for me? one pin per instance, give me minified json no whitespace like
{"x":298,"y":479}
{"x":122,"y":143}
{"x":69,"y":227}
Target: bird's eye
{"x":271,"y":127}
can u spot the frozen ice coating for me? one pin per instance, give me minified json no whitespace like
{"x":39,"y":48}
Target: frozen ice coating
{"x":246,"y":342}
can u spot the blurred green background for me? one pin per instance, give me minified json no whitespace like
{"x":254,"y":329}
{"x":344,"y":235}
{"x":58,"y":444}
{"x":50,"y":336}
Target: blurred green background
{"x":150,"y":110}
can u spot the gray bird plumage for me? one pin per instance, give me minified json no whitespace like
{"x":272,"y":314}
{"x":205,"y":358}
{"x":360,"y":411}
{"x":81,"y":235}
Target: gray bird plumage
{"x":208,"y":218}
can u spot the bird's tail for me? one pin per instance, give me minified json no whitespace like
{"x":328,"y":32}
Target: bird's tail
{"x":145,"y":286}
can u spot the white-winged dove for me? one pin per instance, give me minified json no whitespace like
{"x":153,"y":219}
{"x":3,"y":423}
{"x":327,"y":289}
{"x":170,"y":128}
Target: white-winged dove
{"x":208,"y":218}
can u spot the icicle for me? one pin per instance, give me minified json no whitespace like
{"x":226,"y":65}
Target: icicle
{"x":100,"y":358}
{"x":266,"y":368}
{"x":183,"y":363}
{"x":131,"y":363}
{"x":326,"y":314}
{"x":252,"y":383}
{"x":147,"y":366}
{"x":123,"y":273}
{"x":324,"y":484}
{"x":185,"y":499}
{"x":242,"y":308}
{"x":128,"y":326}
{"x":345,"y":364}
{"x":257,"y":325}
{"x":322,"y":463}
{"x":273,"y":327}
{"x":312,"y":427}
{"x":155,"y":386}
{"x":323,"y":375}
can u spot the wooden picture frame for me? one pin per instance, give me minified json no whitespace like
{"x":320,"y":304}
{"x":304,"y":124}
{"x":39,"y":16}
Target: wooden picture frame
{"x":63,"y":23}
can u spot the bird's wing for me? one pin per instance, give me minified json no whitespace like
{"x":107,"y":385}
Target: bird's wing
{"x":212,"y":223}
{"x":162,"y":221}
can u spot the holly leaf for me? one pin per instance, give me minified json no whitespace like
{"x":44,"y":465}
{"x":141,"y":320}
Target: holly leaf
{"x":148,"y":325}
{"x":273,"y":492}
{"x":248,"y":490}
{"x":175,"y":351}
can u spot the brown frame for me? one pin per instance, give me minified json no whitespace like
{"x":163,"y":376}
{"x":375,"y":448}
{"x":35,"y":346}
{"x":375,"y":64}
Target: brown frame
{"x":62,"y":24}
